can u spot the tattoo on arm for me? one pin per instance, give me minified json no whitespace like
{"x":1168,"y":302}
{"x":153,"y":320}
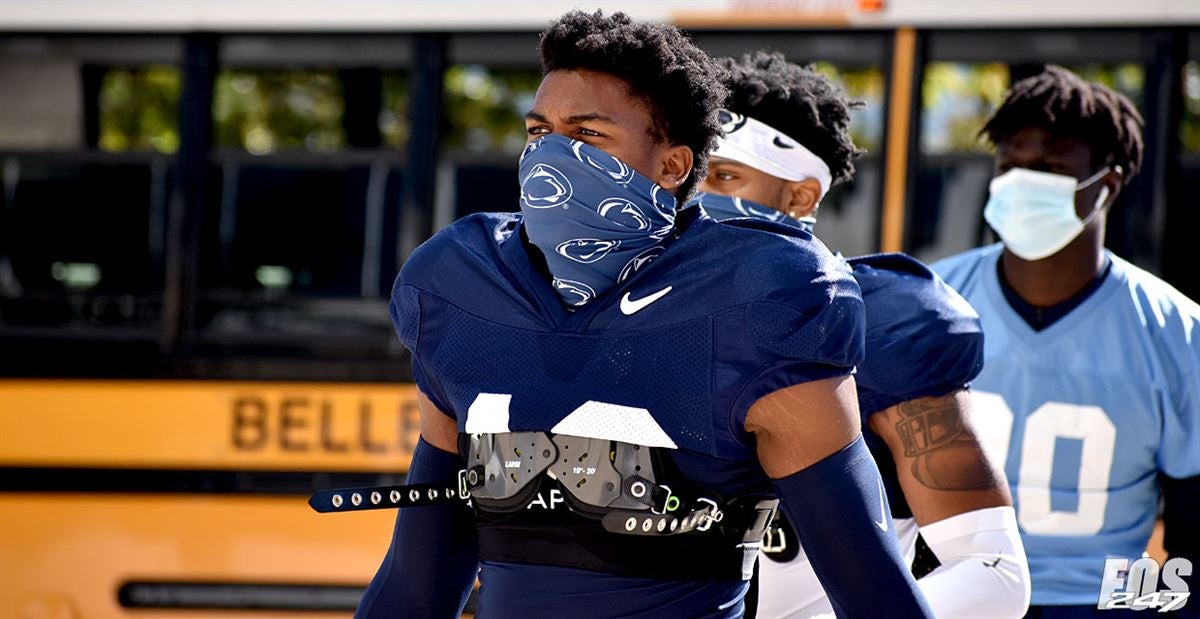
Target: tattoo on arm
{"x":928,"y":424}
{"x":944,"y":452}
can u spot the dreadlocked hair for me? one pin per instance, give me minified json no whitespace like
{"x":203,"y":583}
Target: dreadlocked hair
{"x":1067,"y":106}
{"x":798,"y":101}
{"x":678,"y":81}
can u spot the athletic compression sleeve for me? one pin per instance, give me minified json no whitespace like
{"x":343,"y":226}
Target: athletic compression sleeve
{"x":431,"y":565}
{"x":840,"y":514}
{"x":984,"y":571}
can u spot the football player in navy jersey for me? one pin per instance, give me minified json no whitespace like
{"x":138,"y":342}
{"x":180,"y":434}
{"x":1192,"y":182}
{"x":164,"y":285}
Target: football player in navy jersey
{"x":622,"y":402}
{"x":1092,"y":365}
{"x":787,"y":143}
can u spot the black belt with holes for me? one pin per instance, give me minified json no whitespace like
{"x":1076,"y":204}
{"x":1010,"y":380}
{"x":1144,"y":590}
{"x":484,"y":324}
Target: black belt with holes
{"x":566,"y":538}
{"x":668,"y":514}
{"x":724,"y":541}
{"x":384,"y":497}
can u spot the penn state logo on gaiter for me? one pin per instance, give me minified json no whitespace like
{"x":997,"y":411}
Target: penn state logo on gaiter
{"x":574,"y":293}
{"x":727,"y":207}
{"x":753,"y":209}
{"x":586,"y":251}
{"x":612,"y":222}
{"x":615,"y":168}
{"x":664,"y":231}
{"x":624,"y":212}
{"x":545,"y":187}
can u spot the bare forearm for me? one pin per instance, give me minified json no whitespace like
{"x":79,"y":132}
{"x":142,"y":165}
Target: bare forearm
{"x":943,"y":469}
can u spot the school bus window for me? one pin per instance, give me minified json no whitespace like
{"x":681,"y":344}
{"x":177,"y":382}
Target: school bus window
{"x":850,"y":211}
{"x":1189,"y":129}
{"x":264,"y":111}
{"x":302,"y":251}
{"x":300,"y":245}
{"x":484,"y":106}
{"x":1127,"y":78}
{"x":82,"y":241}
{"x":956,"y":98}
{"x":393,"y":118}
{"x":864,"y":84}
{"x":139,"y":109}
{"x":297,"y":227}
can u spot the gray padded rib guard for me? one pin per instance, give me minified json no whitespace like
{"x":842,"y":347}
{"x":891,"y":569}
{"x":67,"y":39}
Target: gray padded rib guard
{"x":632,"y":461}
{"x":584,"y":469}
{"x":596,"y":472}
{"x":510,"y":461}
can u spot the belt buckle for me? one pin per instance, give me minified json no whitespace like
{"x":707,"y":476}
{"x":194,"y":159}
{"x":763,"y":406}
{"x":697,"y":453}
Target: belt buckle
{"x":714,"y":514}
{"x":774,"y":534}
{"x":464,"y":491}
{"x":666,"y":502}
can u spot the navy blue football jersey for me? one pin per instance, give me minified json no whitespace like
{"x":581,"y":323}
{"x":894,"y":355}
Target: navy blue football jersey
{"x":672,"y":357}
{"x":923,"y":339}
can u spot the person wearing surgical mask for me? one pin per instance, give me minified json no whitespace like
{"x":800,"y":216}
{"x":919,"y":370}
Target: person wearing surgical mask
{"x":1035,"y":212}
{"x":1090,"y":392}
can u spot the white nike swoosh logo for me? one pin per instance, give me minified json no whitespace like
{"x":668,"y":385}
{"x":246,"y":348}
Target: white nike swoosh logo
{"x":630,"y":307}
{"x":882,"y":523}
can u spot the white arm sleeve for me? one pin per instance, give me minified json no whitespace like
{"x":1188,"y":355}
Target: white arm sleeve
{"x":984,"y":572}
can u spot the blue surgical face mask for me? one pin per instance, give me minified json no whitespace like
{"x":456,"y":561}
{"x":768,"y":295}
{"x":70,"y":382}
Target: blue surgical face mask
{"x":721,"y":207}
{"x":1034,"y":212}
{"x":595,"y":219}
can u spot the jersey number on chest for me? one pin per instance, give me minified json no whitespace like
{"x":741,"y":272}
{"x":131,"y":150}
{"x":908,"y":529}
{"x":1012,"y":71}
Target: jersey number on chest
{"x":993,"y":420}
{"x":490,"y":413}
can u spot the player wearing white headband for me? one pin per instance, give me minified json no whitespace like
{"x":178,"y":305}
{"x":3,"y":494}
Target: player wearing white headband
{"x":787,"y":142}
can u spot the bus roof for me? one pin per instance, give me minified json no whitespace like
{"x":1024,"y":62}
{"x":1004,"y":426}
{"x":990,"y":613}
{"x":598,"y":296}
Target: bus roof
{"x":468,"y":15}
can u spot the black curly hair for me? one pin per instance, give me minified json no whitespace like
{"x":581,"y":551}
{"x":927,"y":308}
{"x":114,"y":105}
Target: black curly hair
{"x":1068,"y":106}
{"x":798,"y":101}
{"x":678,"y":81}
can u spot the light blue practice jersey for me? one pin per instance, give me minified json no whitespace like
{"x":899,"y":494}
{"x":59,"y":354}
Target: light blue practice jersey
{"x":1084,"y":414}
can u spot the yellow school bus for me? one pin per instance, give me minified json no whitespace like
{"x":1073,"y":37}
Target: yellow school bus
{"x":188,"y":496}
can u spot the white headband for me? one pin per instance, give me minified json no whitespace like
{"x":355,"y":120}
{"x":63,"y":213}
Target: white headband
{"x":769,"y":150}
